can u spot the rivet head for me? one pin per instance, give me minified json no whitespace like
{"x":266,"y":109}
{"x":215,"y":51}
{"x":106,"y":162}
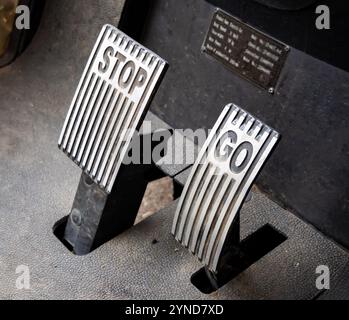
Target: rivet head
{"x":76,"y":217}
{"x":89,"y":182}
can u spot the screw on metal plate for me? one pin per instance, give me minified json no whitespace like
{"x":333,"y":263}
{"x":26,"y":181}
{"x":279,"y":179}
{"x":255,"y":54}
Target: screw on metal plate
{"x":76,"y":217}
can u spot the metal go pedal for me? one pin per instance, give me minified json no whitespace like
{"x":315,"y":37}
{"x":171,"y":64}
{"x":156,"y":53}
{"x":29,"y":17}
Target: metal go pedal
{"x":110,"y":103}
{"x":221,"y":177}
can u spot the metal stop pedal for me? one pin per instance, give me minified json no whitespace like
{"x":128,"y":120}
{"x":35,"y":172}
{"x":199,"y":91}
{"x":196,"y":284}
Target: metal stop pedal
{"x":220,"y":179}
{"x":110,"y":103}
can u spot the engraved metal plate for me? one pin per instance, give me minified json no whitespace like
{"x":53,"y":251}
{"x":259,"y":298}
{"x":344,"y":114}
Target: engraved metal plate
{"x":244,"y":50}
{"x":112,"y":98}
{"x":226,"y":167}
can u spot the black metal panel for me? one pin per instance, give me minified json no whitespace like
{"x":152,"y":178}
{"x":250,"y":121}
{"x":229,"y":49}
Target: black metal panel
{"x":297,"y":27}
{"x":308,"y":172}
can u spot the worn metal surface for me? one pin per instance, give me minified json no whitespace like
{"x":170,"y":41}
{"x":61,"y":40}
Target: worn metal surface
{"x":222,"y":175}
{"x":111,"y":100}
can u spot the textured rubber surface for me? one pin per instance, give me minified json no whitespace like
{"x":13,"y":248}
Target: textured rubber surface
{"x":340,"y":288}
{"x":38,"y":183}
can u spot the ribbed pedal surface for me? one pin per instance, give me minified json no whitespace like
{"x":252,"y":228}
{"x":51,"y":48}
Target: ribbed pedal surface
{"x":226,"y":167}
{"x":112,"y":98}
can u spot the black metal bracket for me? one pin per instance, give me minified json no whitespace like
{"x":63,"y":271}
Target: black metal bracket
{"x":97,"y":217}
{"x":238,"y":255}
{"x":207,"y":219}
